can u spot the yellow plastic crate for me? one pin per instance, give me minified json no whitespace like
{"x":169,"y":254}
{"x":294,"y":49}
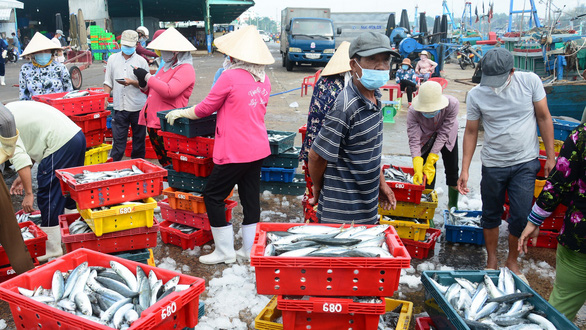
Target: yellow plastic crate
{"x":423,"y":210}
{"x":557,"y":145}
{"x":151,"y":261}
{"x":406,"y":312}
{"x":407,"y":229}
{"x":97,"y":155}
{"x":539,"y":184}
{"x":120,"y":217}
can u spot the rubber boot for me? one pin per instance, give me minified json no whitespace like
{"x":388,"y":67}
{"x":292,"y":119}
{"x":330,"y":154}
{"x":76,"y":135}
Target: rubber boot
{"x":248,"y":233}
{"x":54,"y":248}
{"x":224,"y":252}
{"x":2,"y":81}
{"x":453,"y":194}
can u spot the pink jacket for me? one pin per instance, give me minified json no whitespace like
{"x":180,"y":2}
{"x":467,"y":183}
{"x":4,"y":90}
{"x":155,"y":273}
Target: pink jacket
{"x":166,"y":91}
{"x":241,"y":103}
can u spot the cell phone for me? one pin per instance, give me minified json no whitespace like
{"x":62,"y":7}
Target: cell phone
{"x":120,"y":80}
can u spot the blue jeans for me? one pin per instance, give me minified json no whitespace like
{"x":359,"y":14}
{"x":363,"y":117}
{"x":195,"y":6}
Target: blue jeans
{"x":519,"y":182}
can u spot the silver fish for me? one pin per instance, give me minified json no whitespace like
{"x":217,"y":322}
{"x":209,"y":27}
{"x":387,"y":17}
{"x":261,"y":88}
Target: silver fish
{"x":82,"y":301}
{"x":126,"y":274}
{"x":72,"y":279}
{"x":58,"y":285}
{"x":119,"y":315}
{"x":183,"y":228}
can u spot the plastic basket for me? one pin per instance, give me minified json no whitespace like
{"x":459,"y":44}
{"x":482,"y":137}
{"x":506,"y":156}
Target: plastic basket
{"x":113,"y":191}
{"x":77,"y":105}
{"x":177,"y":310}
{"x":97,"y":155}
{"x":277,"y":174}
{"x":546,"y":239}
{"x":303,"y":131}
{"x":556,"y":220}
{"x":296,"y":188}
{"x":36,"y":246}
{"x":121,"y":217}
{"x":182,"y":200}
{"x":287,"y":159}
{"x":149,"y":151}
{"x":185,"y":181}
{"x":539,"y":184}
{"x":126,"y":240}
{"x":446,"y":314}
{"x":185,"y":241}
{"x":407,"y":229}
{"x":141,"y":255}
{"x":424,"y":323}
{"x":557,"y":145}
{"x":151,"y":259}
{"x":197,"y":146}
{"x":195,"y":165}
{"x":423,"y":210}
{"x":283,"y":144}
{"x":406,"y":192}
{"x":463,"y":234}
{"x":326,"y":276}
{"x":542,"y":161}
{"x":8,"y":272}
{"x":561,"y":128}
{"x":91,"y":122}
{"x":406,"y":312}
{"x":187,"y":127}
{"x":94,"y":138}
{"x":420,"y":250}
{"x":196,"y":220}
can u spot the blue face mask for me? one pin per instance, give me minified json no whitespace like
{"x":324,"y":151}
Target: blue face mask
{"x":128,"y":50}
{"x":430,"y":114}
{"x":59,"y":37}
{"x":43,"y":58}
{"x":405,"y":67}
{"x":373,"y":79}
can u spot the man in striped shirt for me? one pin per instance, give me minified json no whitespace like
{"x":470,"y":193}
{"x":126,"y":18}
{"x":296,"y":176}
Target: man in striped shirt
{"x":345,"y":158}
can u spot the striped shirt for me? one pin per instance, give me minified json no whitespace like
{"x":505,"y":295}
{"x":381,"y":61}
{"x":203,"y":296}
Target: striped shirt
{"x":351,"y":142}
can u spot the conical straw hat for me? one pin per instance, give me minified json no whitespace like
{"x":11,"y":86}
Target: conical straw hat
{"x":172,"y":41}
{"x":39,"y":43}
{"x":245,"y":45}
{"x":340,"y":62}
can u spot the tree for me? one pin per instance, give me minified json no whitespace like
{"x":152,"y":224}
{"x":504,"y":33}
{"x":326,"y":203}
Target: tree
{"x":263,"y":23}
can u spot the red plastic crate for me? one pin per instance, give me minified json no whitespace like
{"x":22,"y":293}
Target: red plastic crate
{"x":125,"y":240}
{"x":36,"y":246}
{"x":196,"y":220}
{"x":101,"y":90}
{"x":556,"y":220}
{"x":7,"y":273}
{"x":541,"y":173}
{"x":113,"y":191}
{"x":91,"y":122}
{"x":185,"y":241}
{"x":406,"y":192}
{"x":546,"y":239}
{"x":329,"y":313}
{"x":201,"y":167}
{"x":95,"y":102}
{"x":197,"y":146}
{"x":303,"y":131}
{"x":326,"y":276}
{"x":176,"y":311}
{"x":420,"y":250}
{"x":94,"y":138}
{"x":148,"y":148}
{"x":424,"y":323}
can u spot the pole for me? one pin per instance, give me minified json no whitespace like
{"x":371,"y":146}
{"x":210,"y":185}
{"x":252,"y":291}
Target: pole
{"x":141,"y":13}
{"x":208,"y":26}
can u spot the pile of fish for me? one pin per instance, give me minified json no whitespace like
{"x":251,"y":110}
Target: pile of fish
{"x":79,"y":226}
{"x":26,"y":234}
{"x":426,"y":197}
{"x":488,"y":306}
{"x":114,"y":296}
{"x":75,"y":94}
{"x":326,"y":242}
{"x":276,"y":137}
{"x":464,"y":219}
{"x":183,"y":228}
{"x":417,"y":221}
{"x":35,"y":218}
{"x":87,"y":176}
{"x":388,"y":321}
{"x":396,"y":174}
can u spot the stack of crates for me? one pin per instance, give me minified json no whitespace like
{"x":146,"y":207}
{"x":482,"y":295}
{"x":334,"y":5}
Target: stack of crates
{"x":101,"y":40}
{"x":278,"y":171}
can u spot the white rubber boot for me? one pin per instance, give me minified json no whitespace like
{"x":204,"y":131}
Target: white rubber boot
{"x":2,"y":81}
{"x":248,"y":233}
{"x":53,"y":243}
{"x":224,"y":252}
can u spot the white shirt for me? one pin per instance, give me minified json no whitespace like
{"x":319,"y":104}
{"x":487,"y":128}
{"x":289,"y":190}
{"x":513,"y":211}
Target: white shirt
{"x":128,"y":98}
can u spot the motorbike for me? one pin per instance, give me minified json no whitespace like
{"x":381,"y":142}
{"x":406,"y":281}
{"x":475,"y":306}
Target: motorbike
{"x":11,"y":54}
{"x":465,"y":57}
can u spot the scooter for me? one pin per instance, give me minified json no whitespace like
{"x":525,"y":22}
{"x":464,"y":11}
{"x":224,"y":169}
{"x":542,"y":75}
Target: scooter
{"x":465,"y":57}
{"x":11,"y":54}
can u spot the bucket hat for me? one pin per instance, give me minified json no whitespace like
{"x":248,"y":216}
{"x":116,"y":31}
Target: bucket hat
{"x":425,"y":52}
{"x":172,"y":41}
{"x":340,"y":61}
{"x":246,"y":45}
{"x":407,"y":61}
{"x":496,"y":67}
{"x":39,"y":43}
{"x":129,"y":38}
{"x":430,"y":98}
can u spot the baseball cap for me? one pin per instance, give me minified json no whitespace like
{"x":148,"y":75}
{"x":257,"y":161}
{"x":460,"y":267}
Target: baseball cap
{"x":370,"y":43}
{"x":496,"y":67}
{"x":129,"y":38}
{"x":59,"y":32}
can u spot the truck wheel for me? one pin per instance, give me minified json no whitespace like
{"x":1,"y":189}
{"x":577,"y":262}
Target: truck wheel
{"x":288,"y":64}
{"x":283,"y":61}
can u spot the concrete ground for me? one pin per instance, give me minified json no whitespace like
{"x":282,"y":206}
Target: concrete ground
{"x":287,"y":112}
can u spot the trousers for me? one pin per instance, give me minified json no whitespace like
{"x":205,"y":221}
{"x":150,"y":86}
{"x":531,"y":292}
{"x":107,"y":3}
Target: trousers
{"x":569,"y":291}
{"x":121,"y":120}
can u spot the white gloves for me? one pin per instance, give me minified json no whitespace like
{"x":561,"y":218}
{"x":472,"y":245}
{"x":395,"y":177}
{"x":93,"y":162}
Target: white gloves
{"x":181,"y":113}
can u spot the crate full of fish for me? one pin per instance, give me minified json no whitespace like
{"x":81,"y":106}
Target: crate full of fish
{"x":197,"y":220}
{"x":280,"y":141}
{"x":400,"y":179}
{"x":296,"y":187}
{"x":287,"y":159}
{"x":97,"y":155}
{"x":111,"y":183}
{"x":188,"y":127}
{"x":77,"y":234}
{"x":197,"y":146}
{"x":424,"y":210}
{"x":479,"y":299}
{"x":142,"y":255}
{"x":34,"y":216}
{"x":546,"y":239}
{"x":76,"y":102}
{"x":94,"y":138}
{"x":327,"y":259}
{"x":463,"y":227}
{"x":91,"y":122}
{"x":409,"y":228}
{"x":8,"y":272}
{"x":34,"y":238}
{"x":184,"y":236}
{"x":128,"y":215}
{"x":186,"y":201}
{"x":92,"y":290}
{"x":149,"y":151}
{"x":196,"y":165}
{"x":420,"y":249}
{"x":277,"y":174}
{"x":185,"y":181}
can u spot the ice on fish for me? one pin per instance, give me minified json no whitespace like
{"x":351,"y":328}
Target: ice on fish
{"x":88,"y":176}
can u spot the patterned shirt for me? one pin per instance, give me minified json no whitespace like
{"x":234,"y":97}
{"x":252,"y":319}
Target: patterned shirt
{"x":408,"y":74}
{"x":34,"y":80}
{"x":351,"y":142}
{"x":324,"y":94}
{"x":567,"y":184}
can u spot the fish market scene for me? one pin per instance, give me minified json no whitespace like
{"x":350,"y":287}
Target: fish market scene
{"x":257,"y":164}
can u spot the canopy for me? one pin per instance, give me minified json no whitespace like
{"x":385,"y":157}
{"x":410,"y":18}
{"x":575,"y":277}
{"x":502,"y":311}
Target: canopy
{"x":9,"y":4}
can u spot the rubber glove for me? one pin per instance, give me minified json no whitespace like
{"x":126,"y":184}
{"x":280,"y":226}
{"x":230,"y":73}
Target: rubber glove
{"x":142,"y":75}
{"x":418,"y":170}
{"x":429,"y":168}
{"x":181,"y":113}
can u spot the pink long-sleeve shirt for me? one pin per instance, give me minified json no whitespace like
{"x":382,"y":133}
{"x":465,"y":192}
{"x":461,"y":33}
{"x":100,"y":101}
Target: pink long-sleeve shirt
{"x":241,"y":103}
{"x":167,"y":90}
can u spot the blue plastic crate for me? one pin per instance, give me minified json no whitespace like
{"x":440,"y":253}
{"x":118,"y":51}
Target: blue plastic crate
{"x":283,"y":144}
{"x":445,"y":316}
{"x":277,"y":174}
{"x":201,"y":310}
{"x":185,"y":181}
{"x":287,"y":159}
{"x":187,"y":127}
{"x":295,"y":188}
{"x":561,"y":129}
{"x":463,"y":234}
{"x":109,"y":122}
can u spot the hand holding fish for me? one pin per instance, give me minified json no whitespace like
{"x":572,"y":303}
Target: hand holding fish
{"x":531,"y":231}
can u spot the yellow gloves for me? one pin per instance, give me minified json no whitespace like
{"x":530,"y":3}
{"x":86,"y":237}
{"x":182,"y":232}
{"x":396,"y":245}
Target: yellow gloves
{"x":418,"y":170}
{"x":429,"y":168}
{"x":181,"y":113}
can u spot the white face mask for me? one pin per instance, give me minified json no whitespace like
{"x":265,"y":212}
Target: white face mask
{"x":167,"y":56}
{"x":226,"y":64}
{"x":498,"y":90}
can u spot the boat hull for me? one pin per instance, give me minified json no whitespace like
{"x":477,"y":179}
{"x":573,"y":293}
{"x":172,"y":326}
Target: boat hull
{"x":566,"y":99}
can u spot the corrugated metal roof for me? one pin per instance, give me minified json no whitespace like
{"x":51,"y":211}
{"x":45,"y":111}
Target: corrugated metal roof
{"x":5,"y":14}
